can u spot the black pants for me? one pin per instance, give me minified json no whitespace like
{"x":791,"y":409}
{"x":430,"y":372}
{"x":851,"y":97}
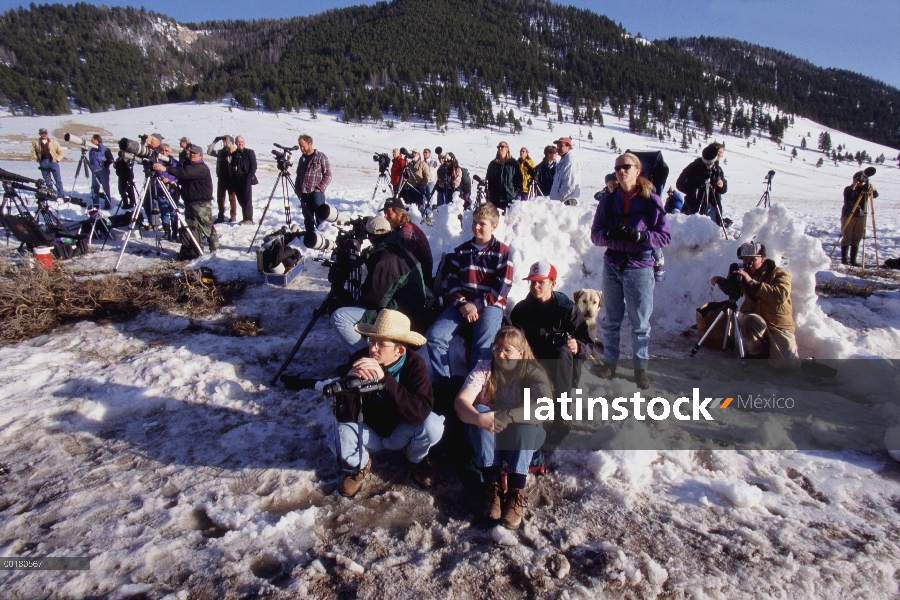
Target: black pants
{"x":243,"y":189}
{"x":126,"y":192}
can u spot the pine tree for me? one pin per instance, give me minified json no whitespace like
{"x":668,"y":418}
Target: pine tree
{"x":825,"y":142}
{"x":591,"y":137}
{"x":794,"y":153}
{"x":612,"y":145}
{"x":545,"y":106}
{"x":803,"y":143}
{"x":820,"y":162}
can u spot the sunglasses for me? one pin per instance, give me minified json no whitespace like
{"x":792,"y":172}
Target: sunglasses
{"x":623,"y":167}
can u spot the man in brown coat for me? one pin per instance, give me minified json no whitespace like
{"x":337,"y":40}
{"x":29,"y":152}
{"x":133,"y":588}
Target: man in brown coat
{"x":48,"y":153}
{"x":767,"y":318}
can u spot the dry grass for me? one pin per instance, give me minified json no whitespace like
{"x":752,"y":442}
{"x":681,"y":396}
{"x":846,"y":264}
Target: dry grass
{"x":841,"y":289}
{"x":34,"y":301}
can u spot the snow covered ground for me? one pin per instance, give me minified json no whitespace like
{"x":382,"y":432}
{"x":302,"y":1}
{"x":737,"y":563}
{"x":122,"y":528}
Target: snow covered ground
{"x":159,"y":449}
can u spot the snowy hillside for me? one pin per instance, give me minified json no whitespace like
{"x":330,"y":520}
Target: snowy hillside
{"x":161,"y":451}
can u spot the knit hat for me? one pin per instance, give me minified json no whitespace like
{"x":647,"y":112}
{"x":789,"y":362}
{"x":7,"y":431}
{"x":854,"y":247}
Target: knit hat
{"x":392,"y":325}
{"x":540,"y":271}
{"x":710,"y":153}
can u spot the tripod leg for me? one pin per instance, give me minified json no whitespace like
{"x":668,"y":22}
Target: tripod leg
{"x":738,"y":337}
{"x":874,"y":230}
{"x":315,"y":317}
{"x":708,"y":331}
{"x":265,"y":210}
{"x":134,"y":217}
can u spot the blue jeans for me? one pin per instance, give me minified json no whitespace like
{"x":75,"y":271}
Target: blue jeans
{"x":442,"y":331}
{"x":528,"y":438}
{"x":98,"y":179}
{"x":631,"y":289}
{"x":47,"y":167}
{"x":309,"y":203}
{"x":343,"y":320}
{"x":416,"y":439}
{"x":429,"y":192}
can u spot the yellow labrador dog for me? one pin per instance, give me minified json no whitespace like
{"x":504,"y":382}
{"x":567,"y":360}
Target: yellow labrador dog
{"x":590,"y":302}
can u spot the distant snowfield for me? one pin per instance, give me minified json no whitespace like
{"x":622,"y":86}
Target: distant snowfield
{"x":162,"y":453}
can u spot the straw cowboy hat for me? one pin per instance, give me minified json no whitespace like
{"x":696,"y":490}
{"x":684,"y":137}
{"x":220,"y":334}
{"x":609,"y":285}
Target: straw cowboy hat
{"x":392,"y":325}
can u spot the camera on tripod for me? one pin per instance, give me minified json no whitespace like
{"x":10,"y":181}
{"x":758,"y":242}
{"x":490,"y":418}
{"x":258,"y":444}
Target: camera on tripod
{"x":383,"y":160}
{"x":769,"y":176}
{"x":141,"y":152}
{"x":351,"y":385}
{"x":74,"y":139}
{"x":42,"y":192}
{"x":283,"y":158}
{"x":732,"y":284}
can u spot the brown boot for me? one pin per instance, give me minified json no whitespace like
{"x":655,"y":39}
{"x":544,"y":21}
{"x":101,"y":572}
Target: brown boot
{"x":492,"y":503}
{"x":605,"y":370}
{"x":641,"y":378}
{"x":352,"y":482}
{"x":513,"y":508}
{"x":422,"y":473}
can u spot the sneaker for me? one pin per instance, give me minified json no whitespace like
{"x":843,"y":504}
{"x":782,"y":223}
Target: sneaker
{"x":246,"y":222}
{"x":513,"y":508}
{"x":492,"y":502}
{"x":605,"y":370}
{"x":352,"y":482}
{"x":422,"y":473}
{"x":641,"y":378}
{"x":220,"y":219}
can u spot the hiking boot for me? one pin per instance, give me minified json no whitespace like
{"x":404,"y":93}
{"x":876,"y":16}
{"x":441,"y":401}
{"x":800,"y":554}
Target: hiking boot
{"x":513,"y":508}
{"x":492,"y":502}
{"x":844,"y":250}
{"x":220,"y":219}
{"x":246,"y":222}
{"x":352,"y":482}
{"x":605,"y":370}
{"x":854,"y":250}
{"x":106,"y":205}
{"x":641,"y":378}
{"x":422,"y":473}
{"x":571,"y":202}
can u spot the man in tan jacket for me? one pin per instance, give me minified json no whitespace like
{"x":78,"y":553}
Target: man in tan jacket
{"x":767,"y":317}
{"x":48,"y":153}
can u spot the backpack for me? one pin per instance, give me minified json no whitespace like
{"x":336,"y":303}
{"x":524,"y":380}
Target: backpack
{"x":466,"y":183}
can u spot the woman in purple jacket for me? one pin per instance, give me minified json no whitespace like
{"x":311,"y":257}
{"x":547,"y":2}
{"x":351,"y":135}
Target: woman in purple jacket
{"x":630,"y":222}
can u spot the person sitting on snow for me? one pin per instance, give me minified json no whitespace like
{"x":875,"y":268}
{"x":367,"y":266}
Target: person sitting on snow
{"x":767,"y":319}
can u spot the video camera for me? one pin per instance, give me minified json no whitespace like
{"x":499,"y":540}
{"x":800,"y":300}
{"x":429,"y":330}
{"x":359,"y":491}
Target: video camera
{"x":346,"y":255}
{"x":85,"y":145}
{"x":405,"y":153}
{"x":351,"y":385}
{"x":478,"y":180}
{"x":769,"y":176}
{"x":732,"y":283}
{"x":142,"y":152}
{"x":283,"y":158}
{"x":42,"y":192}
{"x":384,"y":162}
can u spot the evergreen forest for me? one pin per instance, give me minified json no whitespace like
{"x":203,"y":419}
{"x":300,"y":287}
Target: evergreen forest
{"x":431,"y":60}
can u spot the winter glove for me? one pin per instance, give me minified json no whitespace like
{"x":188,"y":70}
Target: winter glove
{"x":633,"y":235}
{"x":617,"y":234}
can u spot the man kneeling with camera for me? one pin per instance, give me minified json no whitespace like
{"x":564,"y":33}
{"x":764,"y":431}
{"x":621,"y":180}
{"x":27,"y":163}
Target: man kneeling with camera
{"x":767,"y":319}
{"x":391,"y":410}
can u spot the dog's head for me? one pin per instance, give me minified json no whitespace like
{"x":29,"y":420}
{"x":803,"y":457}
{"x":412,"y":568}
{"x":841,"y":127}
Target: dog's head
{"x":589,"y":302}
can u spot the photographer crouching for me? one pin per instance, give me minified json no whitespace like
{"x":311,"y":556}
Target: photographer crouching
{"x":767,"y":320}
{"x":396,"y":415}
{"x":197,"y":194}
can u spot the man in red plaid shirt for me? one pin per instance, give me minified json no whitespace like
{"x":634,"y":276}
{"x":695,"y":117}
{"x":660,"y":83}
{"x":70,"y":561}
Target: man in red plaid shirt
{"x":481,"y":272}
{"x":313,"y":177}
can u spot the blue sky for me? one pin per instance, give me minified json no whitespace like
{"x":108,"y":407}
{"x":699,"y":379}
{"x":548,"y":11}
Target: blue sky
{"x":861,"y":36}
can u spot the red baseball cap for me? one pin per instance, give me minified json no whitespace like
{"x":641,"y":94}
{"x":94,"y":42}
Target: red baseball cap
{"x":540,"y":271}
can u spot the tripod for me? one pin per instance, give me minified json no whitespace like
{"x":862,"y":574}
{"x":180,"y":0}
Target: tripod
{"x":732,"y":330}
{"x":182,"y":226}
{"x":383,"y":182}
{"x":532,"y":188}
{"x":764,"y":200}
{"x":707,"y":198}
{"x":345,"y":273}
{"x":84,"y":162}
{"x":287,"y":184}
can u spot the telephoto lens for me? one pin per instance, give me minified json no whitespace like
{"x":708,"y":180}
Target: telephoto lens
{"x":136,"y":148}
{"x":74,"y":139}
{"x":316,"y":241}
{"x":328,"y":214}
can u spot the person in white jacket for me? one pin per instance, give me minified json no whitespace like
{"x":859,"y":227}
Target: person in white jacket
{"x":566,"y":185}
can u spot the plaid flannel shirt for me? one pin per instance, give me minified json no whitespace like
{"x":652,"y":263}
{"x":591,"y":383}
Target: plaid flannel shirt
{"x":483,"y":277}
{"x":316,"y":175}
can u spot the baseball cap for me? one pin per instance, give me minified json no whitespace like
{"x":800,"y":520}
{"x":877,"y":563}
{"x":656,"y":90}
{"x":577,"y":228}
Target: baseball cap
{"x":564,"y":140}
{"x":749,"y":249}
{"x":415,"y":151}
{"x":378,"y":226}
{"x":540,"y":271}
{"x":396,"y":203}
{"x":195,"y":149}
{"x":158,"y":136}
{"x":42,"y":131}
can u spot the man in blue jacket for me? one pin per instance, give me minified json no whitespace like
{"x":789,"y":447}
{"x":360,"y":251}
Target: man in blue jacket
{"x":100,"y":159}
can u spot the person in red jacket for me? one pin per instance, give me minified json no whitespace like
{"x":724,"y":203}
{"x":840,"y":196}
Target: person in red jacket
{"x":397,"y":417}
{"x":397,"y":166}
